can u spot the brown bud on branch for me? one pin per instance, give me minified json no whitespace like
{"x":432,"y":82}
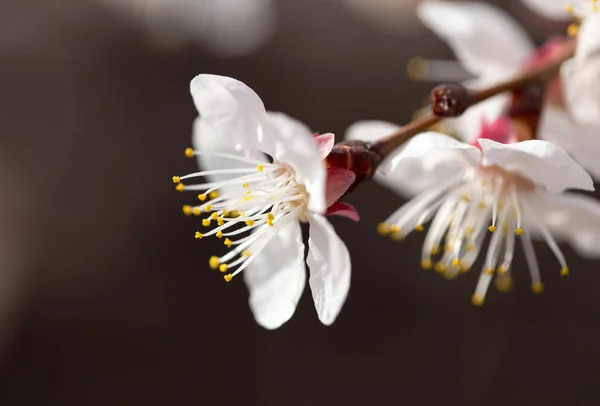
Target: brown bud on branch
{"x":450,"y":100}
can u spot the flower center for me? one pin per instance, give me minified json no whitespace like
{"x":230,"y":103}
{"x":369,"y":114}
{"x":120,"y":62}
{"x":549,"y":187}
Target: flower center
{"x":462,"y":210}
{"x":249,"y":207}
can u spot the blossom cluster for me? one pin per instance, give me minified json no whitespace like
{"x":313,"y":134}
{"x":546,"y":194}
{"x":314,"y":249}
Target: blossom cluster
{"x":497,"y":175}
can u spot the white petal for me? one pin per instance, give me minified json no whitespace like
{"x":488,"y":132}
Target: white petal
{"x":329,"y":263}
{"x":233,"y":110}
{"x":204,"y":138}
{"x":427,"y":151}
{"x":581,"y":89}
{"x":581,"y":142}
{"x":294,"y":144}
{"x":574,"y":218}
{"x":276,"y":278}
{"x":553,"y":9}
{"x":539,"y":161}
{"x":482,"y":36}
{"x":588,"y":38}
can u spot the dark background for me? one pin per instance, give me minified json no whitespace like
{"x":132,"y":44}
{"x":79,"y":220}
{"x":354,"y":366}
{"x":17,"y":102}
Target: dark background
{"x":107,"y":299}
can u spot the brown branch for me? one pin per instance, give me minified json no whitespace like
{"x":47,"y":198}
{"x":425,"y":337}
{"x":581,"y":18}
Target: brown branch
{"x":542,"y":74}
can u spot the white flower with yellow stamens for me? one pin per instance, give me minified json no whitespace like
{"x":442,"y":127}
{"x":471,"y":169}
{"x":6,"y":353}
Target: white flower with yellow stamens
{"x":264,"y":176}
{"x":515,"y":191}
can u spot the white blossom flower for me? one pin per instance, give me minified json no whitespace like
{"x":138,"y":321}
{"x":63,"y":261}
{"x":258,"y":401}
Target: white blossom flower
{"x":493,"y":47}
{"x":266,"y":176}
{"x":516,"y":191}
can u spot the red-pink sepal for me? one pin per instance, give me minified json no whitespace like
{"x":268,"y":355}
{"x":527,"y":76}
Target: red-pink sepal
{"x":325,"y":143}
{"x":344,"y":210}
{"x":338,"y":182}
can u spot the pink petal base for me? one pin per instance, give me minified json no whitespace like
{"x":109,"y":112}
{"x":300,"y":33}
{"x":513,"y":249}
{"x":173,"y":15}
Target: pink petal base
{"x":344,"y":210}
{"x":500,"y":130}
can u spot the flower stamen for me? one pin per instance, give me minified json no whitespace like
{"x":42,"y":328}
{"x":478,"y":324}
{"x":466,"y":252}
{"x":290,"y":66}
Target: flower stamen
{"x":246,"y":219}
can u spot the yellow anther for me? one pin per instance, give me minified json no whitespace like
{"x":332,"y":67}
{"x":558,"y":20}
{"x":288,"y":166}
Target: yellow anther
{"x":233,"y":213}
{"x":198,"y":235}
{"x":572,"y":30}
{"x":248,"y":192}
{"x":469,"y":231}
{"x":223,"y":267}
{"x":214,"y":194}
{"x":245,"y":185}
{"x":227,"y":277}
{"x":247,"y":198}
{"x":537,"y":287}
{"x":503,"y":283}
{"x":434,"y":250}
{"x":419,"y":227}
{"x":227,"y":242}
{"x":383,"y":228}
{"x":447,"y":247}
{"x":260,"y":168}
{"x":249,"y":223}
{"x":397,"y":236}
{"x":202,"y":197}
{"x":246,"y":253}
{"x":518,"y":231}
{"x":208,"y":207}
{"x":477,"y":300}
{"x":569,"y":9}
{"x":225,"y":213}
{"x":179,"y":187}
{"x":196,"y":211}
{"x":564,"y":272}
{"x":220,"y":221}
{"x":456,"y":262}
{"x":492,"y":228}
{"x":481,"y":205}
{"x":394,"y":229}
{"x":469,"y":247}
{"x":206,"y":222}
{"x":439,"y":267}
{"x":187,"y":210}
{"x":484,"y":182}
{"x":463,"y":268}
{"x":214,"y":216}
{"x":189,"y":152}
{"x":426,"y":263}
{"x":502,"y":269}
{"x":219,"y":234}
{"x":270,"y":218}
{"x":449,"y":275}
{"x":176,"y":179}
{"x":489,"y":271}
{"x":213,"y":262}
{"x":465,"y":198}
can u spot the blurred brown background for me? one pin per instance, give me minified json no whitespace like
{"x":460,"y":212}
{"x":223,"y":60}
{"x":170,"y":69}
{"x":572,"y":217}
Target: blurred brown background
{"x":107,"y":299}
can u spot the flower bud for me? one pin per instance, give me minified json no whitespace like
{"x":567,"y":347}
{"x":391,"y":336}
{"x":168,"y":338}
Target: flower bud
{"x":450,"y":100}
{"x":355,"y":156}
